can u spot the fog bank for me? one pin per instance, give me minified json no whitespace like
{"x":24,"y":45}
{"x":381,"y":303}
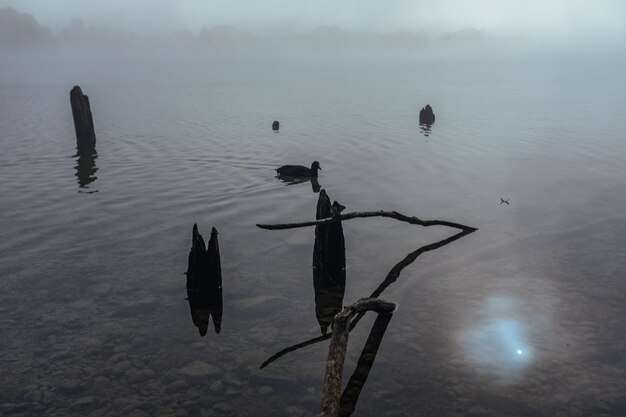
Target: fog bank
{"x":84,"y":50}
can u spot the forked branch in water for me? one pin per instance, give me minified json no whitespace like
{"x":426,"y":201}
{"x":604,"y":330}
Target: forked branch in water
{"x":391,"y":277}
{"x":356,"y":214}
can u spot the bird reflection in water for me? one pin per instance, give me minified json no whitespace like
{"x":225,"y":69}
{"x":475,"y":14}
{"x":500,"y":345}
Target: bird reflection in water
{"x":329,"y":263}
{"x":315,"y":186}
{"x":86,"y":170}
{"x":204,"y":282}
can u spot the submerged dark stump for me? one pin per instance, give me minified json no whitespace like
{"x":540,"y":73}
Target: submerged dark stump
{"x":329,"y":263}
{"x":83,"y":122}
{"x":204,"y":282}
{"x":427,"y":117}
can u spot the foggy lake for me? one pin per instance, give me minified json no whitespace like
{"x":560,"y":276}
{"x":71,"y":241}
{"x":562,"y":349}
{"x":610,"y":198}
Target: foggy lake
{"x":523,"y":317}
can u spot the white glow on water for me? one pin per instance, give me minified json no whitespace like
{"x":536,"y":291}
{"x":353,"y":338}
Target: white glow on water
{"x":499,"y":341}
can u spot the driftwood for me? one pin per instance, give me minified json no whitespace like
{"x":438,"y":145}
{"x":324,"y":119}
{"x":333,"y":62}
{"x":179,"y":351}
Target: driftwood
{"x":391,"y":277}
{"x":329,"y":263}
{"x":360,"y":214}
{"x":331,"y":393}
{"x":83,"y":122}
{"x":204,"y":282}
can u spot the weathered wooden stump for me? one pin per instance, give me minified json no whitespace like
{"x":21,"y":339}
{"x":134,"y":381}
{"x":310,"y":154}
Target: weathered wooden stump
{"x":329,"y":263}
{"x":204,"y":282}
{"x":83,"y":122}
{"x":275,"y":126}
{"x":427,"y":117}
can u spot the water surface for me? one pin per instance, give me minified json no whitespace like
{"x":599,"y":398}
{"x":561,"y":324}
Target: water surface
{"x":523,"y":318}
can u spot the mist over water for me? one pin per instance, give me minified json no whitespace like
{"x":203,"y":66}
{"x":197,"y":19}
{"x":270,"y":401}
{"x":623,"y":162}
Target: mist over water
{"x":523,"y":317}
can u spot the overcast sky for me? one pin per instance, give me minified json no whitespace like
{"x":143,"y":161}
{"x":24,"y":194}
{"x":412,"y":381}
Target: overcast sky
{"x":559,"y":18}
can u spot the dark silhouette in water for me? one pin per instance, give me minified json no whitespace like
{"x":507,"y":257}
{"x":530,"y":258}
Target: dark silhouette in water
{"x":427,"y":117}
{"x":85,"y":171}
{"x":83,"y":122}
{"x":502,"y":200}
{"x":204,"y":282}
{"x":299,"y":171}
{"x":315,"y":186}
{"x":329,"y":263}
{"x":351,"y":392}
{"x":275,"y":126}
{"x":391,"y":277}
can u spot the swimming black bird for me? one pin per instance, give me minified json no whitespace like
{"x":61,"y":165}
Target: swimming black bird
{"x":275,"y":126}
{"x":299,"y":171}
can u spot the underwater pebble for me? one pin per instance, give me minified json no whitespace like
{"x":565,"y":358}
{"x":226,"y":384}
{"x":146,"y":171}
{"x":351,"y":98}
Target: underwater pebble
{"x":223,"y":407}
{"x":82,"y":402}
{"x":197,"y":369}
{"x":217,"y":387}
{"x":265,"y":390}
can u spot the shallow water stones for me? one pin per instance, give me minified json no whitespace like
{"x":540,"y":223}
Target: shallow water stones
{"x":83,"y":402}
{"x":197,"y":369}
{"x":217,"y":387}
{"x":11,"y":408}
{"x":265,"y":390}
{"x":122,"y":366}
{"x":223,"y":407}
{"x":275,"y":379}
{"x":176,"y":386}
{"x":262,"y":304}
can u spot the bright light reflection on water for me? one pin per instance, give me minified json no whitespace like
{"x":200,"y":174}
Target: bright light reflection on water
{"x":499,"y":341}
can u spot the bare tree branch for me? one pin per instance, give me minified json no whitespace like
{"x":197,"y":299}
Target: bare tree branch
{"x":356,"y":214}
{"x":391,"y":277}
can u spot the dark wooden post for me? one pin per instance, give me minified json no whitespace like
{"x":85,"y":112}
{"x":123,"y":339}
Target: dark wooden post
{"x":329,"y":263}
{"x":83,"y":121}
{"x":204,"y":282}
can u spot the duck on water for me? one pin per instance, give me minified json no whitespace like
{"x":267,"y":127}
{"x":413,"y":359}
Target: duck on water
{"x":299,"y":171}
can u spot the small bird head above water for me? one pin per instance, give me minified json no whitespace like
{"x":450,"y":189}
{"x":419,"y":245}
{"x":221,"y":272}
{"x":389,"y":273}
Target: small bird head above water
{"x":315,"y":166}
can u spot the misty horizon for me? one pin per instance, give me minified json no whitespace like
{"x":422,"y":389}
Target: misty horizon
{"x":21,"y":29}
